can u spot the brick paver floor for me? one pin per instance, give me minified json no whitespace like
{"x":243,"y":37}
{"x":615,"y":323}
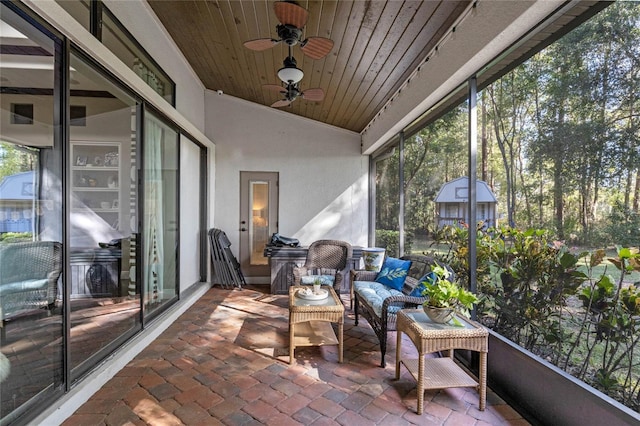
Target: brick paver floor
{"x":225,"y":361}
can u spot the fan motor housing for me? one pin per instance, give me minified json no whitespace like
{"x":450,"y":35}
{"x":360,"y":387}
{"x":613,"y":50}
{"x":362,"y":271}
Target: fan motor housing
{"x":289,"y":34}
{"x":292,"y":93}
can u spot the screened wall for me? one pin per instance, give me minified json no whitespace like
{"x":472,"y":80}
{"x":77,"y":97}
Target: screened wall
{"x":557,"y":140}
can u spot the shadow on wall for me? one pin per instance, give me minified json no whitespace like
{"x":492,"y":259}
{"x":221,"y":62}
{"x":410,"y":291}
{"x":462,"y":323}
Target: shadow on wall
{"x":343,"y":219}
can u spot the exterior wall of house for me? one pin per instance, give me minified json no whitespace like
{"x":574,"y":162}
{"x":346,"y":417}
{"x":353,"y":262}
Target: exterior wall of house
{"x":323,"y":176}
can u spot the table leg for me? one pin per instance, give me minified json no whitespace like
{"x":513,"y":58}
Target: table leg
{"x":340,"y":341}
{"x":398,"y":351}
{"x":291,"y":340}
{"x":420,"y":389}
{"x":482,"y":378}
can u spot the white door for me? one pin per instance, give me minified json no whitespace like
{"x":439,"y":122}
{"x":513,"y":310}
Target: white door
{"x":258,"y":220}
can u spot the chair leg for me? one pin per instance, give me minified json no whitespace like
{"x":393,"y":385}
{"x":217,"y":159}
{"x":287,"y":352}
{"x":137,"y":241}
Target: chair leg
{"x":355,"y":311}
{"x":383,"y":348}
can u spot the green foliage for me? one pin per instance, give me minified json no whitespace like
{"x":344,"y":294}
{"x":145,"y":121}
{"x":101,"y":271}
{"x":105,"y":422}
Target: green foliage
{"x":15,"y":237}
{"x":611,"y":328}
{"x":560,"y":138}
{"x":15,"y":159}
{"x":534,"y":291}
{"x":623,"y":225}
{"x":390,"y":240}
{"x":443,"y":293}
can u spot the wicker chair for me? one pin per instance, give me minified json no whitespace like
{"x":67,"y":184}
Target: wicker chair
{"x":29,"y":275}
{"x":383,"y":319}
{"x":325,"y":257}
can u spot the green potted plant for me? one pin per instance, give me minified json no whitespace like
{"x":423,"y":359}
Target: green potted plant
{"x":445,"y":298}
{"x":317,"y":283}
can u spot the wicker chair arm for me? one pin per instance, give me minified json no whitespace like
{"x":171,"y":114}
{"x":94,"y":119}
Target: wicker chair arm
{"x":401,"y":299}
{"x":362,"y":275}
{"x":298,"y":272}
{"x":337,"y":283}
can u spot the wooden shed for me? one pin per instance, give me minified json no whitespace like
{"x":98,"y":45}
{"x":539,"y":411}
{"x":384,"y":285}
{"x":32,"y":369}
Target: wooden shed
{"x":16,"y":202}
{"x":452,"y":203}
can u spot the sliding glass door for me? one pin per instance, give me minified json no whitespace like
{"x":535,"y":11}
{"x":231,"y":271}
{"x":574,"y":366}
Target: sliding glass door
{"x":104,"y":298}
{"x":160,"y":218}
{"x":31,"y":219}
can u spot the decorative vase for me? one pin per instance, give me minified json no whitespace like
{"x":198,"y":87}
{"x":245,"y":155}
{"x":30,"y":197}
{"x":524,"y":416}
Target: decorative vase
{"x":373,"y":258}
{"x":439,"y":315}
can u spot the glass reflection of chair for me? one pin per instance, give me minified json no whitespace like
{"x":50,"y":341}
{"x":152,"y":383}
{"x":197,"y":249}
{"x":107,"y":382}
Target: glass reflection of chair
{"x":29,"y":273}
{"x":326,"y":261}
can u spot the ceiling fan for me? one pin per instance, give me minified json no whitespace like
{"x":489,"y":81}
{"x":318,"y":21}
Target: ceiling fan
{"x":292,"y":19}
{"x":292,"y":91}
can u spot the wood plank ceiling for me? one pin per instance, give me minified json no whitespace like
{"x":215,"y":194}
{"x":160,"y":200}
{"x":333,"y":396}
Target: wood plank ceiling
{"x":377,"y":44}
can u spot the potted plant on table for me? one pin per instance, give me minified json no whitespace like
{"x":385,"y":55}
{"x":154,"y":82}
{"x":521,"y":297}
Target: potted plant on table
{"x":444,"y":297}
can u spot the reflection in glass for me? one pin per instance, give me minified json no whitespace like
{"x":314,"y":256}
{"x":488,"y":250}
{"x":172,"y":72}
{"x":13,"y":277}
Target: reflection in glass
{"x":30,"y":221}
{"x":160,"y":226}
{"x":127,"y":49}
{"x":116,"y":37}
{"x":259,"y":223}
{"x":105,"y":298}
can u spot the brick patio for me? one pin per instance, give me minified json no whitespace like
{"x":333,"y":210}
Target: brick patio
{"x":225,"y":361}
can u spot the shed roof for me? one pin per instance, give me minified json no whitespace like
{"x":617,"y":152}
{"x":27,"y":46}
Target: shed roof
{"x":18,"y":186}
{"x":456,"y":191}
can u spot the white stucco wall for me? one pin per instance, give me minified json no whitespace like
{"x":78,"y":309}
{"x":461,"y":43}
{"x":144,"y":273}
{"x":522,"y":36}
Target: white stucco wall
{"x":323,"y":176}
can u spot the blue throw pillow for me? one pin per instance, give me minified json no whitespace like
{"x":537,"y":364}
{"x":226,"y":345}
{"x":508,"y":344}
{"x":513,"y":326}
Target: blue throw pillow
{"x":393,"y":272}
{"x":427,"y":279}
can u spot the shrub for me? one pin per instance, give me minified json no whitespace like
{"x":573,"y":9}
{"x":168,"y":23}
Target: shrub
{"x":15,"y":237}
{"x":389,"y":240}
{"x":536,"y":292}
{"x":623,"y":226}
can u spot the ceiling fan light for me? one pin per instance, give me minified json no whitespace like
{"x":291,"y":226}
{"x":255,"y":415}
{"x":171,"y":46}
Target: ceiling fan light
{"x":290,"y":75}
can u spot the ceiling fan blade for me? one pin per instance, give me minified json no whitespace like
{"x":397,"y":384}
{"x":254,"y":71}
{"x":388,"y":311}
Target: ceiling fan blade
{"x":281,"y":103}
{"x":316,"y":47}
{"x":290,"y":13}
{"x":315,"y":94}
{"x":275,"y":88}
{"x":261,"y":44}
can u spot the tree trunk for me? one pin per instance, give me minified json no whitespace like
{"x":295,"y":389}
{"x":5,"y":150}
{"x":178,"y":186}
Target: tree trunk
{"x":558,"y":202}
{"x":636,"y":193}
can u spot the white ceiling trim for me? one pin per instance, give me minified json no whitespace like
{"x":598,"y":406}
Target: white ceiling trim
{"x":479,"y":38}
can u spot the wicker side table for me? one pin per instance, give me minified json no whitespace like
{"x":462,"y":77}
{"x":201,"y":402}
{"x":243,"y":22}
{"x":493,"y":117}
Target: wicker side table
{"x":310,"y":321}
{"x":441,"y":373}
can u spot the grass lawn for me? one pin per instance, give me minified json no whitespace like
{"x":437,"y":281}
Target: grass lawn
{"x":607,"y":267}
